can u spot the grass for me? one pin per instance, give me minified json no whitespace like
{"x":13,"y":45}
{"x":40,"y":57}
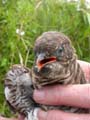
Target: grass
{"x":22,"y":21}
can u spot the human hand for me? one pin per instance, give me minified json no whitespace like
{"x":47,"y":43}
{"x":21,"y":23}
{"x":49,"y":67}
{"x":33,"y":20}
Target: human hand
{"x":72,"y":95}
{"x":3,"y":118}
{"x":20,"y":117}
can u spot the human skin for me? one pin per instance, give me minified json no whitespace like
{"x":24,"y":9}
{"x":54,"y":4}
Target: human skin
{"x":72,"y":95}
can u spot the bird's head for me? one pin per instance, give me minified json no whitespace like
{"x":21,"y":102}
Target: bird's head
{"x":50,"y":49}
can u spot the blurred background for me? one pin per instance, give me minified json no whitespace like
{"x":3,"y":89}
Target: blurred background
{"x":21,"y":21}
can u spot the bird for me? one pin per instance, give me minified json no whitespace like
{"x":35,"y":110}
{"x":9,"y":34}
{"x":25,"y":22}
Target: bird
{"x":18,"y":91}
{"x":55,"y":62}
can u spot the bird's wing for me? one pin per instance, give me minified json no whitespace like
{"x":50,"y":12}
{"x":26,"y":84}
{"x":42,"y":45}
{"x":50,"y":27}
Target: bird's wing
{"x":19,"y":89}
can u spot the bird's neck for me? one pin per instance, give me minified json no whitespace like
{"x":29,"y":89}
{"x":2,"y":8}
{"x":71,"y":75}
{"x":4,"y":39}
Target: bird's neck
{"x":71,"y":74}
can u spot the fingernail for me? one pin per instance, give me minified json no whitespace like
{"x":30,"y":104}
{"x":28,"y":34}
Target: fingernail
{"x":42,"y":115}
{"x":39,"y":95}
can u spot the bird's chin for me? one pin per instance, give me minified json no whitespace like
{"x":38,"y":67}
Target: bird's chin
{"x":45,"y":70}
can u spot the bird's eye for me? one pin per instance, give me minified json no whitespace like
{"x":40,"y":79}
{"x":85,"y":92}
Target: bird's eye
{"x":60,"y":49}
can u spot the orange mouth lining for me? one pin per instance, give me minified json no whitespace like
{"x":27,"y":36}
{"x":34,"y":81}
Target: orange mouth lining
{"x":41,"y":63}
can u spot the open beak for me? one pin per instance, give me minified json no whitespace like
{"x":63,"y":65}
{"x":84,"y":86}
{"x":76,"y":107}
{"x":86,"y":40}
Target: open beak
{"x":42,"y":61}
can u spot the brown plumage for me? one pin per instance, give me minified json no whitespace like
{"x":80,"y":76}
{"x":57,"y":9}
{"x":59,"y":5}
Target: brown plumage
{"x":19,"y":90}
{"x":58,"y":61}
{"x":55,"y":63}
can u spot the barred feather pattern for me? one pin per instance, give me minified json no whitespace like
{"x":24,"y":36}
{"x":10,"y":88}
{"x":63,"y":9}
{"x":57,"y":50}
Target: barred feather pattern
{"x":19,"y":89}
{"x":70,"y":73}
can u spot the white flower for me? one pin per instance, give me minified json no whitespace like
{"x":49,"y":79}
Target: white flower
{"x":20,"y":32}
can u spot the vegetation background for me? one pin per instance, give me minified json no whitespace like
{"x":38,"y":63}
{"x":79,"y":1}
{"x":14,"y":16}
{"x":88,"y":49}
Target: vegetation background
{"x":21,"y":21}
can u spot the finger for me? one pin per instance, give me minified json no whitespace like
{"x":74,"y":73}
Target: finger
{"x":72,"y":95}
{"x":3,"y":118}
{"x":86,"y":68}
{"x":59,"y":115}
{"x":21,"y":117}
